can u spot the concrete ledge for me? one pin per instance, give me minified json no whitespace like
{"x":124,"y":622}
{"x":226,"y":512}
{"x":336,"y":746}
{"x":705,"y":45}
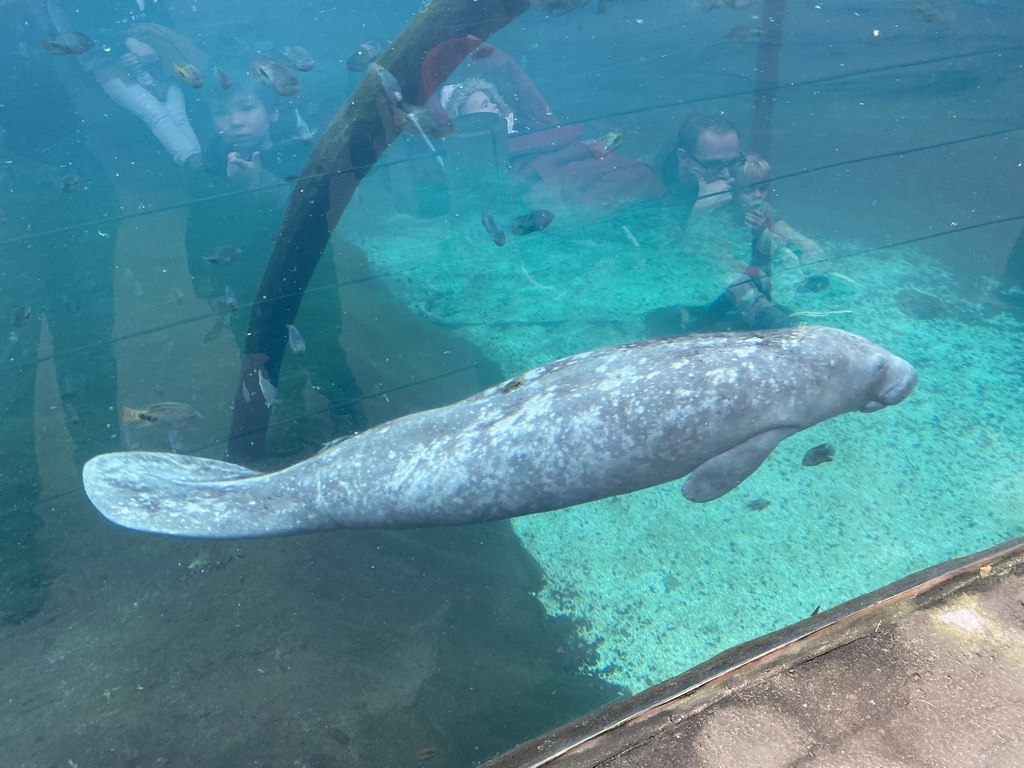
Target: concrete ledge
{"x":928,"y":671}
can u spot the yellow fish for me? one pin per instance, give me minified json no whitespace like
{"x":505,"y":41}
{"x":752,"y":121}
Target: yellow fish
{"x":188,"y":74}
{"x":166,"y":415}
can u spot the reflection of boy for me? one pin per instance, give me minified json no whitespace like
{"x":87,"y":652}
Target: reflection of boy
{"x":252,"y":164}
{"x":243,"y":123}
{"x":764,"y":260}
{"x":783,"y":250}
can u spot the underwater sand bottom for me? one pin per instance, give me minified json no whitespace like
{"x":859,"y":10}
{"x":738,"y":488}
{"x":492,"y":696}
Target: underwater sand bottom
{"x":659,"y":584}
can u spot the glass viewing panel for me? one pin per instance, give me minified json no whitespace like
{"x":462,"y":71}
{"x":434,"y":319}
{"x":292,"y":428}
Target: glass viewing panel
{"x":532,"y":200}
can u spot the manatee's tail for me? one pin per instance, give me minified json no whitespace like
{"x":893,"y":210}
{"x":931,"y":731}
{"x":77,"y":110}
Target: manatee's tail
{"x":192,"y":496}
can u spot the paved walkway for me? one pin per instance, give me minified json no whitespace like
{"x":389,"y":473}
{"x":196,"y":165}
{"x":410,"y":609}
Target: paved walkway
{"x":925,"y":673}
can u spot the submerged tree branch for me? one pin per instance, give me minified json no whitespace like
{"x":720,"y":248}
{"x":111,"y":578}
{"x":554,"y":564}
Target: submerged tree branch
{"x":353,"y":141}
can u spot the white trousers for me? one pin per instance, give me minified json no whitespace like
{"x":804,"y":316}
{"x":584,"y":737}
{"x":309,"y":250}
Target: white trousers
{"x":167,"y":119}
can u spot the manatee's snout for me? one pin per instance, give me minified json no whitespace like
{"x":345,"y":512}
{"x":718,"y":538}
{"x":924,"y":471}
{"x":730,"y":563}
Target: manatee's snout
{"x":899,"y":381}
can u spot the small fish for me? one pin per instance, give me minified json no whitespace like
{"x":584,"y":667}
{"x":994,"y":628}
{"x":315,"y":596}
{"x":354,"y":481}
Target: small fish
{"x":299,"y":58}
{"x":612,"y":139}
{"x":819,"y":454}
{"x":364,"y":56}
{"x":214,"y":332}
{"x":270,"y":396}
{"x":336,"y":441}
{"x":758,"y":504}
{"x":71,"y":183}
{"x":246,"y":394}
{"x":426,"y":121}
{"x":493,"y":228}
{"x":422,"y":119}
{"x":222,"y":254}
{"x":513,"y":384}
{"x":104,"y":235}
{"x":275,"y":76}
{"x":188,"y":74}
{"x":389,"y":83}
{"x":483,"y":52}
{"x":66,"y":42}
{"x":295,"y":340}
{"x":166,"y":415}
{"x":230,"y":300}
{"x":534,"y":221}
{"x":20,"y":316}
{"x":302,"y":129}
{"x":223,"y":78}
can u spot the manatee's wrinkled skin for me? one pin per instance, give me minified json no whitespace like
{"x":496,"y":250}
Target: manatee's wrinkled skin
{"x":601,"y":423}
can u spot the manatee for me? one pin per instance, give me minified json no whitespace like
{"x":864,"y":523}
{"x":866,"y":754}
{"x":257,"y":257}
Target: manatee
{"x":601,"y":423}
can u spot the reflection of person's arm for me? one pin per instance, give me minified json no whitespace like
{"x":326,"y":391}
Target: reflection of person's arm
{"x":711,"y":196}
{"x":810,"y":251}
{"x":139,"y":54}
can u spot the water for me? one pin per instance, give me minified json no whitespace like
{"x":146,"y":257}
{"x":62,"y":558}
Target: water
{"x":895,"y":145}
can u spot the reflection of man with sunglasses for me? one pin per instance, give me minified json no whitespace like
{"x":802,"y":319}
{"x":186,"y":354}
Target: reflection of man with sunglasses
{"x":707,"y":158}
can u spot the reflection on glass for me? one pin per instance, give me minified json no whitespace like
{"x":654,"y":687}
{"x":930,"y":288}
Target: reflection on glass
{"x":139,"y":215}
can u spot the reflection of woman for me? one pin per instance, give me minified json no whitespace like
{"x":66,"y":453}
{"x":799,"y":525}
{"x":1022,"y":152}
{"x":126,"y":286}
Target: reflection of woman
{"x":141,"y":80}
{"x":550,"y":164}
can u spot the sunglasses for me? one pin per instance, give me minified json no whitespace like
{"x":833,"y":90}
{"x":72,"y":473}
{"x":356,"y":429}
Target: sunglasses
{"x":715,"y":167}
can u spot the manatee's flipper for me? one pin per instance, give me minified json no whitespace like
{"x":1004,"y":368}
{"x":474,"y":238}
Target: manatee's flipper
{"x":189,"y":496}
{"x":717,"y":476}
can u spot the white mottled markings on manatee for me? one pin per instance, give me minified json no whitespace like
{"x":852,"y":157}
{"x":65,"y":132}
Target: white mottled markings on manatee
{"x":602,"y":423}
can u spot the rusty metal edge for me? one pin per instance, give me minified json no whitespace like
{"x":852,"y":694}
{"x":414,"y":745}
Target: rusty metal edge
{"x":586,"y":742}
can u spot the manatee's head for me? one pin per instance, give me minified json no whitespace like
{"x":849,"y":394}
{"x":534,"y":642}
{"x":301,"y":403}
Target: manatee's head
{"x":856,"y":374}
{"x":894,"y":379}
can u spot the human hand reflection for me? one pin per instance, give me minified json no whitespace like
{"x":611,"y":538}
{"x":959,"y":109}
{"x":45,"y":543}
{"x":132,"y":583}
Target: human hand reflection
{"x":711,"y":194}
{"x":245,"y":173}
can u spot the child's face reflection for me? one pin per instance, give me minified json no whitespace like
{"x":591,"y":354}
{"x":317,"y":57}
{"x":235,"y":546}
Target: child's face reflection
{"x":479,"y":102}
{"x":752,"y":197}
{"x":244,"y":122}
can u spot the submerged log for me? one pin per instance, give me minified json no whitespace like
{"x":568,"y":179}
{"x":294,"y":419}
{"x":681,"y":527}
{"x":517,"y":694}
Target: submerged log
{"x":353,"y":141}
{"x":768,"y":54}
